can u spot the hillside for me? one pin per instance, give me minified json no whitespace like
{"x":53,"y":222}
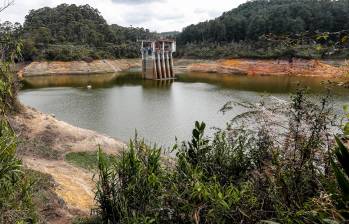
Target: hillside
{"x":258,"y":17}
{"x":237,"y":33}
{"x":70,"y":32}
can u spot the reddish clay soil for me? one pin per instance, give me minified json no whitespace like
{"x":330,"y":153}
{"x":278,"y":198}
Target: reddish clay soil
{"x":271,"y":67}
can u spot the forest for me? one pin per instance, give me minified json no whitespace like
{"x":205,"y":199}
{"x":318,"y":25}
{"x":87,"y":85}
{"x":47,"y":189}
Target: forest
{"x":256,"y":18}
{"x":242,"y":31}
{"x":256,"y":29}
{"x":70,"y":32}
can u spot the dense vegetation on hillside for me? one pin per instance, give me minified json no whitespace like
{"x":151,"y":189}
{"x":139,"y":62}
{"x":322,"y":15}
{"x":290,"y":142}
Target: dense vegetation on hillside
{"x":238,"y":32}
{"x":255,"y":18}
{"x":70,"y":32}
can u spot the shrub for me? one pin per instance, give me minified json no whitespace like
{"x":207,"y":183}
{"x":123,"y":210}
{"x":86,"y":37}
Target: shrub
{"x":10,"y":51}
{"x":130,"y":189}
{"x":244,"y":174}
{"x":16,"y":188}
{"x":340,"y":166}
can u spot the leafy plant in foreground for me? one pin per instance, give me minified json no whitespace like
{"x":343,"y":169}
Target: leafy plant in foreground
{"x":10,"y":50}
{"x":15,"y":187}
{"x":243,"y":174}
{"x":342,"y":174}
{"x":130,"y":187}
{"x":341,"y":168}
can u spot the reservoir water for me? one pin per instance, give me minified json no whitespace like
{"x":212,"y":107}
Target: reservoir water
{"x":117,"y":105}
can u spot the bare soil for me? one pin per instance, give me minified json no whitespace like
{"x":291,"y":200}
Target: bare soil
{"x":43,"y":142}
{"x":297,"y":67}
{"x":40,"y":68}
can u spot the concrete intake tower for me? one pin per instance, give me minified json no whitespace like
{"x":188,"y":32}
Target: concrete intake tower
{"x":157,"y":59}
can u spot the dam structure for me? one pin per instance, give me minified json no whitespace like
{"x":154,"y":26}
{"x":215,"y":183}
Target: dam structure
{"x":157,"y":59}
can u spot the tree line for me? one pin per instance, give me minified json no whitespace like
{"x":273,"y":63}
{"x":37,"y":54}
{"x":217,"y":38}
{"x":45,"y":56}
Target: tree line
{"x":71,"y":32}
{"x":239,"y":30}
{"x":255,"y":18}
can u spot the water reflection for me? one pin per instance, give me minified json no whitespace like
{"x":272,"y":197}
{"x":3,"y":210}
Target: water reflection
{"x":118,"y":104}
{"x":98,"y":80}
{"x":270,"y":84}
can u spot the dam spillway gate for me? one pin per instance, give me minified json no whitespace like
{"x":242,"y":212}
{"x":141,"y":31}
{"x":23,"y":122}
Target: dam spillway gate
{"x":157,"y":59}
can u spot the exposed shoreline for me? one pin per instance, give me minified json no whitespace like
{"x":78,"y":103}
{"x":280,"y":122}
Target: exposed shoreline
{"x":299,"y":67}
{"x":45,"y":68}
{"x":44,"y":142}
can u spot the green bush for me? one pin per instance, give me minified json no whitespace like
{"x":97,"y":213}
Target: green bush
{"x":340,"y":166}
{"x":16,"y":188}
{"x":130,"y":189}
{"x":241,"y":175}
{"x":16,"y":204}
{"x":10,"y":51}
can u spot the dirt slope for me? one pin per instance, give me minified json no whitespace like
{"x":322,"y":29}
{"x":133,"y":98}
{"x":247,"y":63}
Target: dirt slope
{"x":77,"y":67}
{"x":44,"y":141}
{"x":75,"y":185}
{"x":271,"y":67}
{"x":59,"y":136}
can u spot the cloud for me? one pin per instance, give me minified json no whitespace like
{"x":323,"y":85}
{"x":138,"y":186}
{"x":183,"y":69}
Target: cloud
{"x":135,"y":1}
{"x":156,"y":15}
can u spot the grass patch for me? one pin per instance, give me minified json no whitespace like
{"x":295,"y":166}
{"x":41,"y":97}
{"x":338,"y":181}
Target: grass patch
{"x":86,"y":160}
{"x":88,"y":220}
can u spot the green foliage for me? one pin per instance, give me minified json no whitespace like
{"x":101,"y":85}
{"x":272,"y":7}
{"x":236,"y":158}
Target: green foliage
{"x":263,"y":49}
{"x":16,"y":204}
{"x":341,"y":168}
{"x":86,"y":160}
{"x":342,"y":154}
{"x":258,"y":17}
{"x":130,"y":188}
{"x":241,"y":175}
{"x":345,"y":126}
{"x":10,"y":51}
{"x":306,"y":29}
{"x":88,"y":220}
{"x":70,"y":32}
{"x":256,"y":29}
{"x":16,"y":188}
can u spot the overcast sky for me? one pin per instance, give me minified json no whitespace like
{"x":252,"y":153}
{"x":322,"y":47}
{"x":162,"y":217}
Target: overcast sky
{"x":156,"y":15}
